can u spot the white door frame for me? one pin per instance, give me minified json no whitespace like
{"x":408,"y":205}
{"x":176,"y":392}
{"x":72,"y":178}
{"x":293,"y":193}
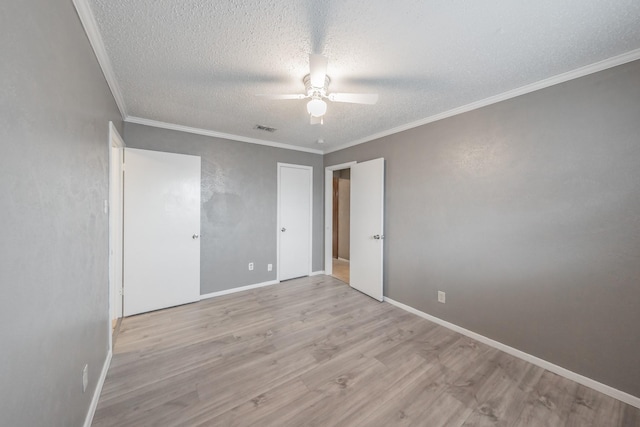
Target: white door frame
{"x":278,"y":233}
{"x":115,"y":226}
{"x":328,"y":214}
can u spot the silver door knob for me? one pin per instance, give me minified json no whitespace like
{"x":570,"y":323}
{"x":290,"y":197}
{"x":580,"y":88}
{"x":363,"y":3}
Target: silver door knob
{"x":283,"y":229}
{"x":195,"y":236}
{"x":378,"y":237}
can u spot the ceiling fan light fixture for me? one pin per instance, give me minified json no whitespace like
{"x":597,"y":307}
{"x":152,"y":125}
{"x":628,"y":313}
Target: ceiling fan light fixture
{"x":317,"y":107}
{"x":316,"y":85}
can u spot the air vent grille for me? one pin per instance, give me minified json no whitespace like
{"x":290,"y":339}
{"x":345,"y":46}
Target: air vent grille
{"x":265,"y":128}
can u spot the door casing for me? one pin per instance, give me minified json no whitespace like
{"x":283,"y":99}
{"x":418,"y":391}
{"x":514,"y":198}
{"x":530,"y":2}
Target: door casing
{"x":116,"y":149}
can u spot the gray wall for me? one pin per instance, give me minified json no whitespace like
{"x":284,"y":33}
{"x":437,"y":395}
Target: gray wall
{"x":54,"y":112}
{"x":527,"y":214}
{"x":239,"y":193}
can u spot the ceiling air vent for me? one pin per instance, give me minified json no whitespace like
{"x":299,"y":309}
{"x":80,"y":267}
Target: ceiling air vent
{"x":265,"y":128}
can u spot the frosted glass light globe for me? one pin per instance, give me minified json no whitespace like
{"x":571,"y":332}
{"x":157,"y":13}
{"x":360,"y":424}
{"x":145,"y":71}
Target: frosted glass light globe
{"x":317,"y":107}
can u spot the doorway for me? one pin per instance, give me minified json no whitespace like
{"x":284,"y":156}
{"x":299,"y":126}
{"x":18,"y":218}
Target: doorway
{"x":341,"y":224}
{"x":366,"y":235}
{"x":330,"y":242}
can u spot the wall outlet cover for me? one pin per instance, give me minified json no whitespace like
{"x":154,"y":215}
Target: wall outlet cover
{"x":250,"y":266}
{"x":442,"y":297}
{"x":269,"y":267}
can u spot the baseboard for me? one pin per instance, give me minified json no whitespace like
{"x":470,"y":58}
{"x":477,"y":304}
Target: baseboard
{"x":343,"y":259}
{"x":316,"y":273}
{"x":96,"y":394}
{"x":580,"y":379}
{"x":239,"y":289}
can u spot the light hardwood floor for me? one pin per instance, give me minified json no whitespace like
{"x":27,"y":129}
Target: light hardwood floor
{"x":313,"y":352}
{"x":341,"y":270}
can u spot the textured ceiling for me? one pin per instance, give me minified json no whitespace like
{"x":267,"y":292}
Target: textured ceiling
{"x":200,"y":63}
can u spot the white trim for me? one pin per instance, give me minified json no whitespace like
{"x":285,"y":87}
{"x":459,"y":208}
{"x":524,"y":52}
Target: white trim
{"x":341,"y":166}
{"x":542,"y":84}
{"x":90,"y":25}
{"x":316,"y":273}
{"x":96,"y":394}
{"x":310,"y":169}
{"x":95,"y":39}
{"x":91,"y":28}
{"x":278,"y":224}
{"x":239,"y":289}
{"x":328,"y":213}
{"x":114,"y":131}
{"x":328,"y":221}
{"x":580,"y":379}
{"x":205,"y":132}
{"x":115,"y":141}
{"x":343,"y":259}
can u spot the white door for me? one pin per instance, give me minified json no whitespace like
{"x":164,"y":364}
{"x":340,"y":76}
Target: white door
{"x":294,"y":220}
{"x":367,"y":222}
{"x":161,"y":230}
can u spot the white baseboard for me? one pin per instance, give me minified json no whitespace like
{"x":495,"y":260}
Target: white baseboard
{"x":316,"y":273}
{"x":96,"y":394}
{"x":343,"y":259}
{"x":580,"y":379}
{"x":239,"y":289}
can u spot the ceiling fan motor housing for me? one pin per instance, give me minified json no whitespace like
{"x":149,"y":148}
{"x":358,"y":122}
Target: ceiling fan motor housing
{"x":316,"y":91}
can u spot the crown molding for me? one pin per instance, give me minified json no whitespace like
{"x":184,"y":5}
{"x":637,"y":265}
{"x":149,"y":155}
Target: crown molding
{"x":205,"y":132}
{"x":542,"y":84}
{"x":95,"y":39}
{"x":90,"y":25}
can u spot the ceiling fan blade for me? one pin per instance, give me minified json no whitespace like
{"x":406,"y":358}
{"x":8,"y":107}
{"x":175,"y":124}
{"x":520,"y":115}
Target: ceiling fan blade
{"x":316,"y":120}
{"x":293,"y":96}
{"x":317,"y":70}
{"x":355,"y":98}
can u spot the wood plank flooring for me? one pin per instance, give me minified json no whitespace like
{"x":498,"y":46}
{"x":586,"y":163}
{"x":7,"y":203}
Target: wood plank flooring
{"x":314,"y":352}
{"x":341,"y":270}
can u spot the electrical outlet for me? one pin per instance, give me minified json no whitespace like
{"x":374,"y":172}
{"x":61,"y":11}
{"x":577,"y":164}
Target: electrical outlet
{"x":269,"y":267}
{"x":250,"y":266}
{"x":85,"y":378}
{"x":442,"y":297}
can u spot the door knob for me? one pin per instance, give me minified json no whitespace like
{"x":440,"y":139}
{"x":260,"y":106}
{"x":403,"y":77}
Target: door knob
{"x":283,"y":229}
{"x":378,"y":237}
{"x":195,"y":236}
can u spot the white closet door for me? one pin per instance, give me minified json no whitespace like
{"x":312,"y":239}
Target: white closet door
{"x":161,"y":230}
{"x":294,"y":225}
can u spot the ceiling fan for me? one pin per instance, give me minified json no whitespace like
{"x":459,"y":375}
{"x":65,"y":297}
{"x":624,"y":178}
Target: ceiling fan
{"x":316,"y":85}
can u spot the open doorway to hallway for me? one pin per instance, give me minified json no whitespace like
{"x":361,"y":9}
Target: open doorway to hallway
{"x":341,"y":224}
